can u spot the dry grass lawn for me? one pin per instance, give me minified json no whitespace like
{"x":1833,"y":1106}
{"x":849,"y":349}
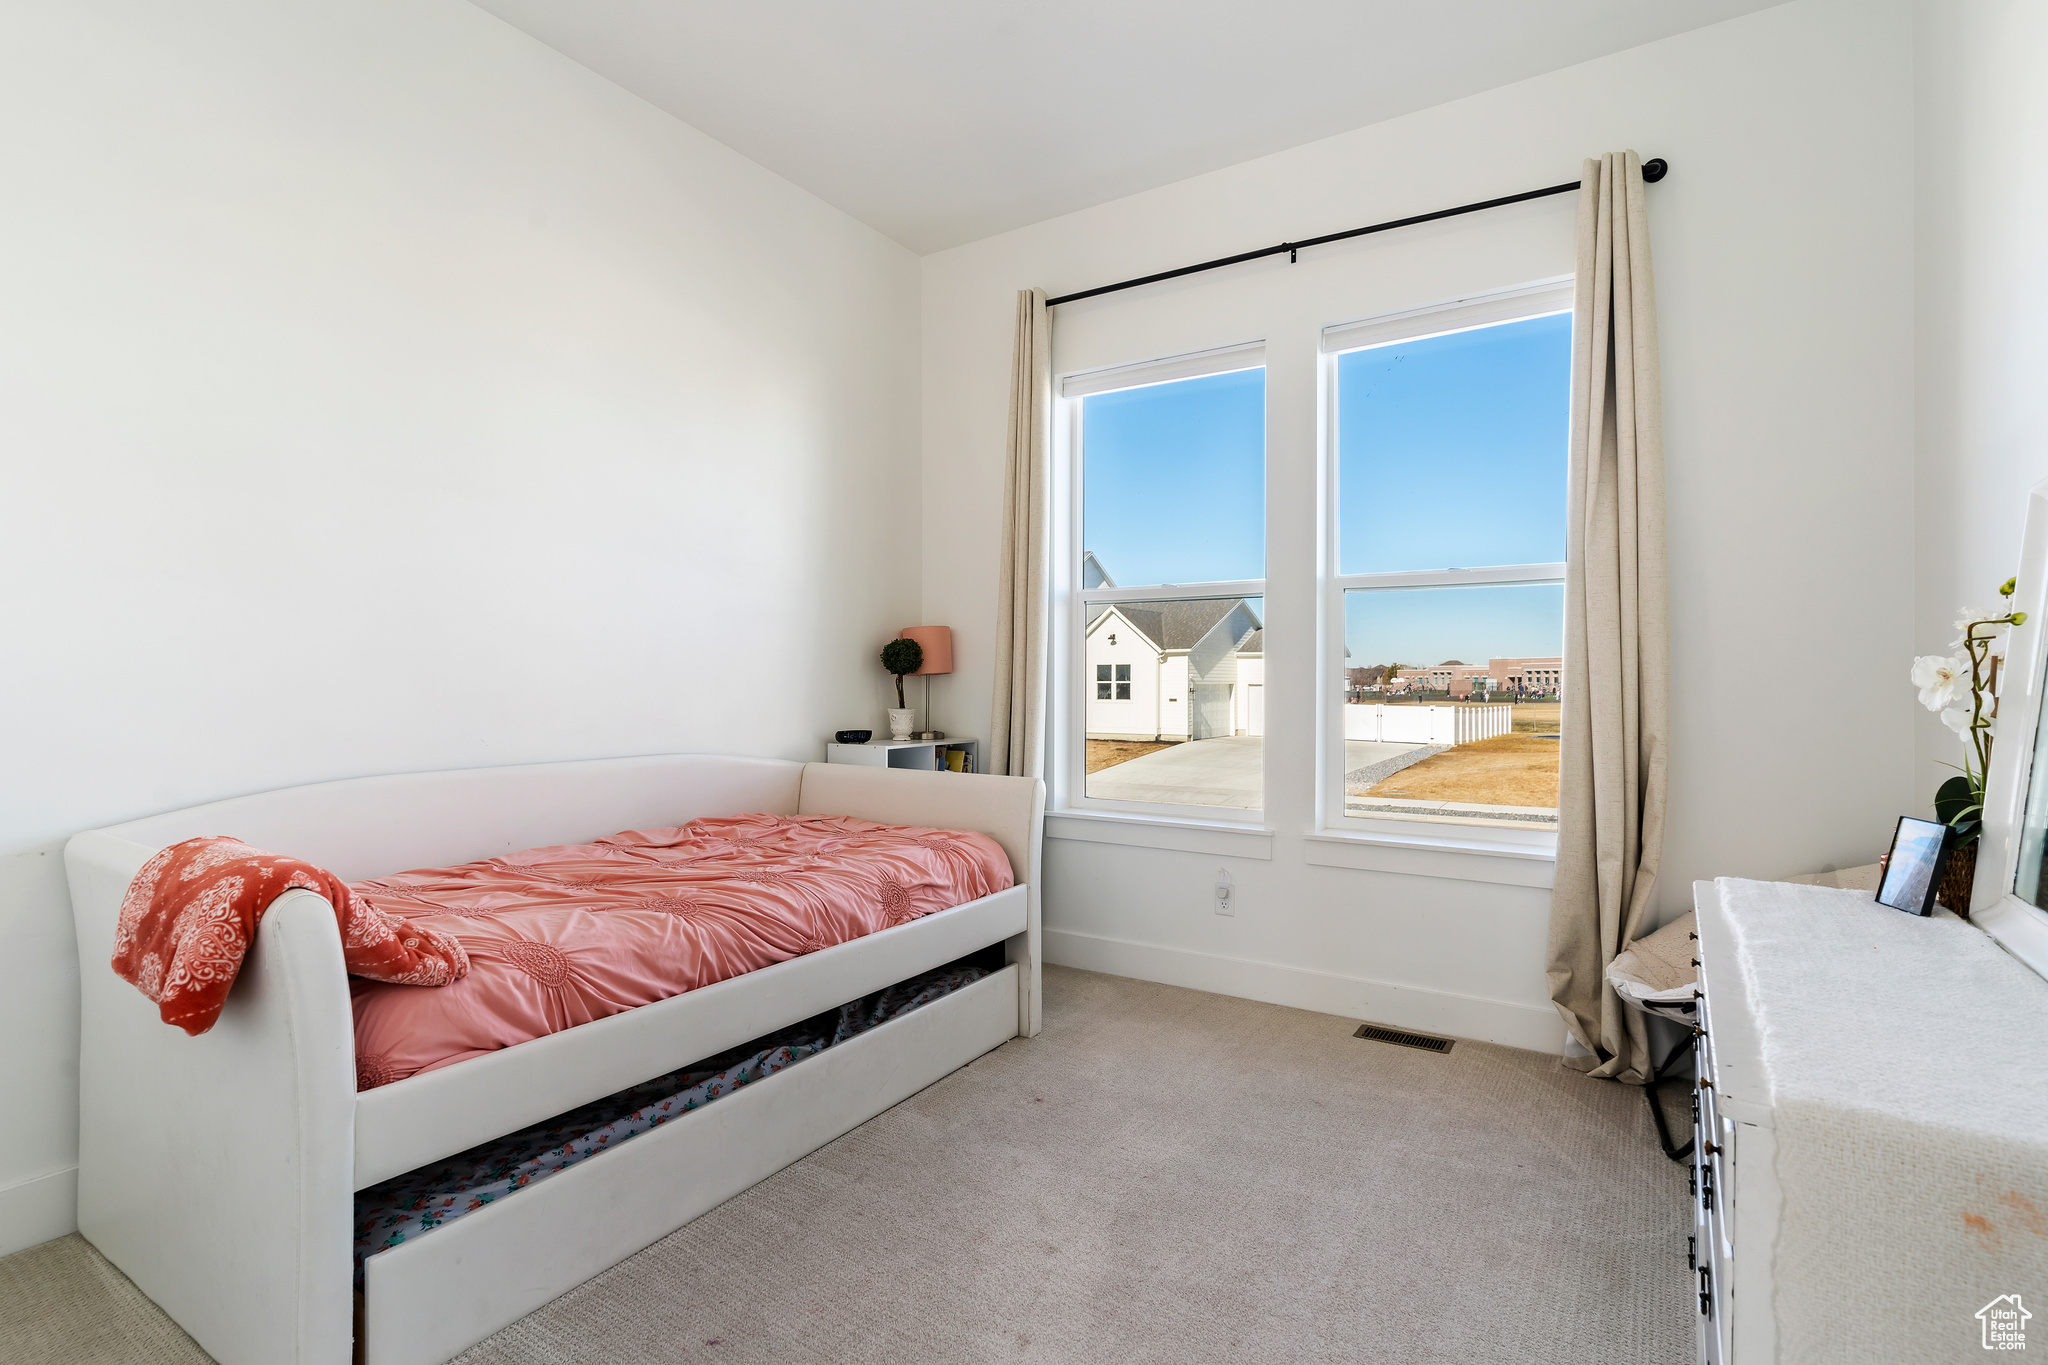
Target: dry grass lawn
{"x":1508,"y":770}
{"x":1107,"y":753}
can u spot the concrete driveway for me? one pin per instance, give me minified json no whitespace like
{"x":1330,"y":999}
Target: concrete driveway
{"x":1205,"y":772}
{"x":1216,"y":772}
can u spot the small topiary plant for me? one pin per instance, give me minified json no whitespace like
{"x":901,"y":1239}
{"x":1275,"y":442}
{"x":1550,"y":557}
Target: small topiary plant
{"x":901,"y":657}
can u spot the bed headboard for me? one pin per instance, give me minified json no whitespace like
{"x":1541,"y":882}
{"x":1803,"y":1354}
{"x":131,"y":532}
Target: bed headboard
{"x":371,"y":826}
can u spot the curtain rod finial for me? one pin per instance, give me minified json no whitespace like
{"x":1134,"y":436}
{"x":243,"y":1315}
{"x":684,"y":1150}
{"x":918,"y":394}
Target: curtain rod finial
{"x":1655,"y":169}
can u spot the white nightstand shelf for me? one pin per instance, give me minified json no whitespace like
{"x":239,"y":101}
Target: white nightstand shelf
{"x":922,"y":755}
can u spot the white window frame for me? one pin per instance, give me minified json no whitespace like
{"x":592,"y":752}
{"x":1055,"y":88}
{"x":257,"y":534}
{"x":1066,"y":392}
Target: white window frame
{"x":1995,"y":906}
{"x":1543,"y":298}
{"x":1072,"y":684}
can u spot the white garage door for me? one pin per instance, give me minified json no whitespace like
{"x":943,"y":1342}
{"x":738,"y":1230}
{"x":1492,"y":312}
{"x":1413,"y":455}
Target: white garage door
{"x":1255,"y":708}
{"x":1212,"y":710}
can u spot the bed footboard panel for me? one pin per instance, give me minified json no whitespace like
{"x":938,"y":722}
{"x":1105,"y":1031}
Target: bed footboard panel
{"x":433,"y":1297}
{"x":215,"y":1171}
{"x":1010,"y":810}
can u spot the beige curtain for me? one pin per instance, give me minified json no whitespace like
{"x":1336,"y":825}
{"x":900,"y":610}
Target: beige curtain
{"x":1016,"y":728}
{"x":1616,"y":741}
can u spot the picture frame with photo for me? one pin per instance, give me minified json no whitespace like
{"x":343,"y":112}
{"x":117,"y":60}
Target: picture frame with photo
{"x":1912,"y":870}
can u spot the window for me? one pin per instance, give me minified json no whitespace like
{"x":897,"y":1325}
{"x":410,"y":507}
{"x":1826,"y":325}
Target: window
{"x":1428,"y":497}
{"x":1447,"y":460}
{"x":1104,"y":679}
{"x":1167,"y":595}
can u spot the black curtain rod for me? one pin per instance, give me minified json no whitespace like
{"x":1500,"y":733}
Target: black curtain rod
{"x":1653,"y":170}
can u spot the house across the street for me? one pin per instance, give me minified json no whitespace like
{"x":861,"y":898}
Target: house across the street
{"x":1174,"y":670}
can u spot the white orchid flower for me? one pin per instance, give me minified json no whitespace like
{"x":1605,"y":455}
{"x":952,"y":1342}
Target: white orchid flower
{"x":1969,"y":616}
{"x":1981,"y":617}
{"x":1957,"y":718}
{"x":1940,"y":677}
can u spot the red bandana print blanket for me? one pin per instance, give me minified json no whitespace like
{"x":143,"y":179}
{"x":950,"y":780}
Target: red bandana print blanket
{"x":190,"y":915}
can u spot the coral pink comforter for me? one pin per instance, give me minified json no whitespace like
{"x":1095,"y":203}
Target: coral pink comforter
{"x":560,"y":936}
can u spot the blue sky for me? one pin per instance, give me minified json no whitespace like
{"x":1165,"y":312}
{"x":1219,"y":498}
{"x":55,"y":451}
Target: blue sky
{"x":1432,"y":625}
{"x":1451,"y":453}
{"x":1174,"y":485}
{"x":1451,"y":449}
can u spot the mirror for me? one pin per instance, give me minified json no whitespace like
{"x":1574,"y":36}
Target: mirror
{"x":2029,"y":883}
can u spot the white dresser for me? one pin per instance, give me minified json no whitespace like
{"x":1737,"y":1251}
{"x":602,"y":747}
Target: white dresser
{"x":1731,"y":1114}
{"x":1870,"y":1164}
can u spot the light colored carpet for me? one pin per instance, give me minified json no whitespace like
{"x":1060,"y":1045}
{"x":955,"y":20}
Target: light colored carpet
{"x":62,"y":1304}
{"x":1162,"y":1176}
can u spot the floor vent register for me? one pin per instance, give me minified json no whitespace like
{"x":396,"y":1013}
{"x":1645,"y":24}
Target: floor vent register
{"x":1401,"y":1038}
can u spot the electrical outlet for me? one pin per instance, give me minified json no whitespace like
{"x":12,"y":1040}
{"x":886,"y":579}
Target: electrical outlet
{"x":1226,"y":892}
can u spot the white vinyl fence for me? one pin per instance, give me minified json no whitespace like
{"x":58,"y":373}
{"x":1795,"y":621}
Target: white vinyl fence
{"x":1427,"y":724}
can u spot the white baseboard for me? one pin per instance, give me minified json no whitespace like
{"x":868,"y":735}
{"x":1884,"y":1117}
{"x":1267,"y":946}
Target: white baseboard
{"x":1536,"y":1028}
{"x":37,"y":1210}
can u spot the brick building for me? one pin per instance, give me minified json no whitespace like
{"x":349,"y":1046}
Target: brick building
{"x":1526,"y":677}
{"x":1496,"y":678}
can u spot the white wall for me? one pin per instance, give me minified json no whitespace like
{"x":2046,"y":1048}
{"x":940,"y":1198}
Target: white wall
{"x":1137,"y":716}
{"x":1177,"y":697}
{"x":1783,"y":246}
{"x":1982,"y":301}
{"x":1248,"y":702}
{"x":381,"y":391}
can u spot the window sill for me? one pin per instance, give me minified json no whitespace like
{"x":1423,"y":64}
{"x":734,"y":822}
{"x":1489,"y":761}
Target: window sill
{"x":1142,"y":831}
{"x":1418,"y":855}
{"x":1462,"y":859}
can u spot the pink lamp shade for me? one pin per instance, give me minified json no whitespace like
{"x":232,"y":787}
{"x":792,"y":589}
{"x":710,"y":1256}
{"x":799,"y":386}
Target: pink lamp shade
{"x":937,"y":642}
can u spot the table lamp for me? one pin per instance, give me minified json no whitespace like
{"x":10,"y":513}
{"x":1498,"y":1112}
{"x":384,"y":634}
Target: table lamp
{"x":937,"y":643}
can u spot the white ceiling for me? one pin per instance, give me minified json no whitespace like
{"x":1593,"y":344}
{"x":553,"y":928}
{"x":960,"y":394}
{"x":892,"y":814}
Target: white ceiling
{"x":943,"y":121}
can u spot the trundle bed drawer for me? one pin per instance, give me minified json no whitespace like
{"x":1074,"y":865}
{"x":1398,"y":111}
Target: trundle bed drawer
{"x":429,"y":1298}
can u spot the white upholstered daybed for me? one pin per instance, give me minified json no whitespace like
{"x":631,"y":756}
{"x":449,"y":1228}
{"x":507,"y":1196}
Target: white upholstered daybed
{"x":219,"y":1171}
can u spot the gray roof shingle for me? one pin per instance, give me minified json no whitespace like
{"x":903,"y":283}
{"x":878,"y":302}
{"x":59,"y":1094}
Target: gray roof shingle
{"x":1178,"y":625}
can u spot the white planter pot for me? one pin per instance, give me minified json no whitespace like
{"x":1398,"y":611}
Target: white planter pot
{"x":900,"y":722}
